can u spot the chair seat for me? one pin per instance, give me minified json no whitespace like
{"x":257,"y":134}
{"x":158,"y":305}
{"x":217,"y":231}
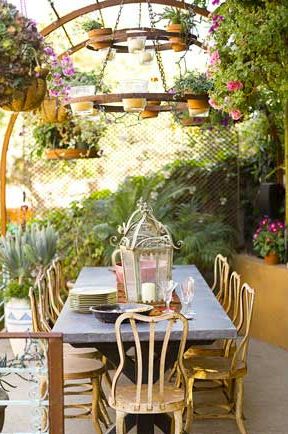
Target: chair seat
{"x":79,"y":368}
{"x":213,"y":368}
{"x":89,"y":353}
{"x":215,"y":349}
{"x":173,"y":399}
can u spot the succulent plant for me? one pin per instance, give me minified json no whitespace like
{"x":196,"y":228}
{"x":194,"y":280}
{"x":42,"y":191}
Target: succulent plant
{"x":13,"y":256}
{"x":41,"y":244}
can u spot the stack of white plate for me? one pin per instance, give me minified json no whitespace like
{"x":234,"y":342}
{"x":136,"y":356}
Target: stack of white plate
{"x":80,"y":299}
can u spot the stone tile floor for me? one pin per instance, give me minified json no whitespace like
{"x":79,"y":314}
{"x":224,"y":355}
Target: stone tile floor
{"x":266,"y":399}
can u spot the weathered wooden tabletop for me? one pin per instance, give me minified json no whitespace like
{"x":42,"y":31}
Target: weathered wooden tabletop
{"x":209,"y":323}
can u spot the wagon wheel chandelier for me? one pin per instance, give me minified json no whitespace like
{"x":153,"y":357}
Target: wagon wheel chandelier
{"x":133,"y":40}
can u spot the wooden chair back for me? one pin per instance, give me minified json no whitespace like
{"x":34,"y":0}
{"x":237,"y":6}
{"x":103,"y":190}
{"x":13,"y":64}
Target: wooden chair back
{"x":247,"y":296}
{"x":53,"y":274}
{"x":152,"y":322}
{"x":221,"y":273}
{"x":233,"y":297}
{"x":46,"y":314}
{"x":39,"y":323}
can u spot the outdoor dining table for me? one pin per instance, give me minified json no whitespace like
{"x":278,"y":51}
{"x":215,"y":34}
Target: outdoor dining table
{"x":209,"y":323}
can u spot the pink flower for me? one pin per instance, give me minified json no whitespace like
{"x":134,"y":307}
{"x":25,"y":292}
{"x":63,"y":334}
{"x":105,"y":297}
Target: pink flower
{"x":214,"y":104}
{"x":234,"y":85}
{"x":215,"y":2}
{"x":216,"y":21}
{"x":215,"y":58}
{"x":235,"y":114}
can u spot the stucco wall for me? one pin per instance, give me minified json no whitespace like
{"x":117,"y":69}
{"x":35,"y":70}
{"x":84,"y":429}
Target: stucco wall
{"x":270,"y":318}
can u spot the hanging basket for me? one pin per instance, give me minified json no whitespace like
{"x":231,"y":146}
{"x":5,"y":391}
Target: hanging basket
{"x":72,"y":154}
{"x":177,"y":42}
{"x":51,"y":111}
{"x":29,"y":98}
{"x":95,"y":34}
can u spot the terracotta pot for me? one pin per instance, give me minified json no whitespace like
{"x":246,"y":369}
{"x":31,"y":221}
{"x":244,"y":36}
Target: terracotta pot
{"x":177,"y":42}
{"x":51,"y":111}
{"x":272,"y":259}
{"x":29,"y":98}
{"x":96,"y":34}
{"x":147,"y":114}
{"x":72,"y":154}
{"x":133,"y":104}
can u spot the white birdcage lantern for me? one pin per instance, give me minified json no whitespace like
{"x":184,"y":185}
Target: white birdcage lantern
{"x":147,"y":255}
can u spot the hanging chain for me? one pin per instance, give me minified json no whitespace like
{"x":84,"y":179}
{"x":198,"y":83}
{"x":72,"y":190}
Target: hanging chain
{"x":140,"y":15}
{"x":156,"y":47}
{"x":100,"y":14}
{"x":101,"y":75}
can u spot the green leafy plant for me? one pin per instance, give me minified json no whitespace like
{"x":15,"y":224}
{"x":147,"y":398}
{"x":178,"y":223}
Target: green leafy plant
{"x":86,"y":79}
{"x":21,"y":51}
{"x":187,"y":19}
{"x":193,"y":82}
{"x":269,"y":238}
{"x":16,"y":290}
{"x":89,"y":25}
{"x":76,"y":133}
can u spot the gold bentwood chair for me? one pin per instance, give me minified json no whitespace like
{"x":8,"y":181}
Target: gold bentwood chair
{"x":82,"y":376}
{"x":230,"y":370}
{"x":50,"y":308}
{"x":221,"y":273}
{"x":150,"y":398}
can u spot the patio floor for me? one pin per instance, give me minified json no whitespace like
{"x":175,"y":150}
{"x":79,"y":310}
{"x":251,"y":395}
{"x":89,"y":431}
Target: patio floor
{"x":266,"y":398}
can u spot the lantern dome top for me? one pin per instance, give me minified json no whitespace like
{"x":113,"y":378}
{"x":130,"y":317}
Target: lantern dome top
{"x":143,"y":230}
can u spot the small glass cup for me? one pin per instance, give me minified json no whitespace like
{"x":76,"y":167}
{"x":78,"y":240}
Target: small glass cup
{"x":83,"y":108}
{"x":167,"y":287}
{"x":187,"y":292}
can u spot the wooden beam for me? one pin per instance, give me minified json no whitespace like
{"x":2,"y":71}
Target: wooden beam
{"x":117,"y":97}
{"x":110,"y":3}
{"x":3,"y":165}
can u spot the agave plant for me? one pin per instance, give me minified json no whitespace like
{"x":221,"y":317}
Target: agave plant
{"x":13,"y":256}
{"x":41,"y":245}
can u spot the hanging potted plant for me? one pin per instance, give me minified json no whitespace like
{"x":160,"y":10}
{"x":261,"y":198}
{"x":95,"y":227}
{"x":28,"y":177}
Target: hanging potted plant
{"x":96,"y":29}
{"x":72,"y":139}
{"x":53,"y":107}
{"x":269,"y":241}
{"x":23,"y":83}
{"x":196,"y":83}
{"x":179,"y":22}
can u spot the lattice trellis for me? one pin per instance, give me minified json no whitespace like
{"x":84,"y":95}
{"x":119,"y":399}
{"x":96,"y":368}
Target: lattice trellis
{"x":132,"y":147}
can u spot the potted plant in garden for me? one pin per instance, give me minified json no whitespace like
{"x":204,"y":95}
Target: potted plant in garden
{"x":23,"y":255}
{"x":72,"y":139}
{"x":96,"y":29}
{"x":196,"y":83}
{"x":269,"y":241}
{"x":23,"y":83}
{"x":179,"y":22}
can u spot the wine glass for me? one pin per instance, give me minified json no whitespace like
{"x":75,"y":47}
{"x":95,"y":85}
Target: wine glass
{"x":167,"y":287}
{"x":187,"y":291}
